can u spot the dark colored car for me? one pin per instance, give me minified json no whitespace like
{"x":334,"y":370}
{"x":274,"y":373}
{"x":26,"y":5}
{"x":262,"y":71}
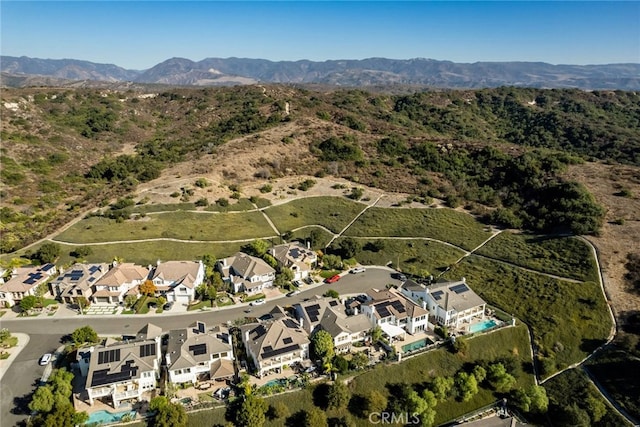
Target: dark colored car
{"x":168,"y":306}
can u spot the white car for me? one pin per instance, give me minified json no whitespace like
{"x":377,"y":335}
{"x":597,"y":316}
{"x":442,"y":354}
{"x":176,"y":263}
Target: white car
{"x":357,"y":270}
{"x":293,"y":293}
{"x":258,"y":302}
{"x":45,"y":359}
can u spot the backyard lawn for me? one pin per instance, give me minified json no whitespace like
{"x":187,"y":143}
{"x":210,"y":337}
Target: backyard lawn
{"x":568,"y":320}
{"x":446,"y":225}
{"x":333,"y":213}
{"x":177,"y":225}
{"x":562,"y":256}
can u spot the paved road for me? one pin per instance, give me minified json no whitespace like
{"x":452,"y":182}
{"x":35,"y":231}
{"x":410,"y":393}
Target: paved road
{"x":22,"y":376}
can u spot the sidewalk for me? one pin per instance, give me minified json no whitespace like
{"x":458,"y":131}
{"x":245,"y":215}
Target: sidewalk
{"x":23,"y":340}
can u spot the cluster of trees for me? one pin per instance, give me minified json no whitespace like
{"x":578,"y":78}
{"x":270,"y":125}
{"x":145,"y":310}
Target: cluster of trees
{"x":52,"y":403}
{"x":344,"y":148}
{"x":167,"y":414}
{"x":633,"y":271}
{"x":259,"y":248}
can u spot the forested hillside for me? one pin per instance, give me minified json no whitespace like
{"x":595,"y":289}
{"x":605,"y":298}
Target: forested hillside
{"x":501,"y":152}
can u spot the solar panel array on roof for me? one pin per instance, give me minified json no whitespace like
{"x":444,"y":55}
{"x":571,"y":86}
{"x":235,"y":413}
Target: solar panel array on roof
{"x":382,"y":310}
{"x":147,"y":350}
{"x":458,"y":289}
{"x":93,"y":269}
{"x":91,"y":279}
{"x":437,"y":295}
{"x":198,"y":349}
{"x":333,"y":303}
{"x":287,"y":349}
{"x":290,"y":323}
{"x":287,"y":340}
{"x":268,"y":349}
{"x":398,"y":306}
{"x":30,"y":281}
{"x":313,"y":311}
{"x":47,"y":267}
{"x":102,"y":377}
{"x":294,"y":253}
{"x":109,"y":356}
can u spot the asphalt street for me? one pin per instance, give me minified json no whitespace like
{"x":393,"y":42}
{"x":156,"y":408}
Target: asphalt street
{"x":21,"y":378}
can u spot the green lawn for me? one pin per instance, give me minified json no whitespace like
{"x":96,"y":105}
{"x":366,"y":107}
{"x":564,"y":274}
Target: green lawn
{"x":416,"y":256}
{"x":562,"y":256}
{"x":177,"y":225}
{"x":446,"y":225}
{"x":168,"y":207}
{"x":145,"y":253}
{"x":569,"y":320}
{"x":333,"y":213}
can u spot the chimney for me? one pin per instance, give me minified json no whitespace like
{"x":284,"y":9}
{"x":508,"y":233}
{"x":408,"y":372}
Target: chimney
{"x":158,"y":262}
{"x":229,"y":338}
{"x":464,"y":280}
{"x":308,"y":245}
{"x":302,"y":322}
{"x":424,"y":304}
{"x":446,"y":301}
{"x":355,"y":311}
{"x":246,"y":335}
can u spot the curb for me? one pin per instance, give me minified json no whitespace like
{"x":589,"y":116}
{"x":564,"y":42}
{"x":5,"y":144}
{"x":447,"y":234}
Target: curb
{"x":23,"y":340}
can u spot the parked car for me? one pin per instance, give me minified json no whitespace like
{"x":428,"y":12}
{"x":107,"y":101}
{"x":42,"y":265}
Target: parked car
{"x":308,"y":280}
{"x":333,"y":279}
{"x":45,"y":359}
{"x":357,"y":270}
{"x":168,"y":306}
{"x":297,"y":283}
{"x":399,"y":276}
{"x":292,"y":293}
{"x":258,"y":302}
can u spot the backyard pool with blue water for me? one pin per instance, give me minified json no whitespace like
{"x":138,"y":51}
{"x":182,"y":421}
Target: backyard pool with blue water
{"x":106,"y":417}
{"x":416,"y":345}
{"x":483,"y":326}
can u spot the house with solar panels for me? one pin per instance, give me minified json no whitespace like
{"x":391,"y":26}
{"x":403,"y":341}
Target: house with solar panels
{"x":197,"y":354}
{"x":246,"y":273}
{"x":23,"y":282}
{"x":274,"y":344}
{"x":297,"y":258}
{"x":177,"y":280}
{"x":394,"y":313}
{"x":451,"y":304}
{"x":125,"y":370}
{"x":329,"y":314}
{"x":77,"y":282}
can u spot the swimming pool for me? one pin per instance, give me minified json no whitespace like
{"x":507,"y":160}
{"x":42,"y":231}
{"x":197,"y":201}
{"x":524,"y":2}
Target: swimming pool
{"x":483,"y":326}
{"x":106,"y":417}
{"x":416,"y":345}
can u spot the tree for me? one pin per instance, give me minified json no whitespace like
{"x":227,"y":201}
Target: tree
{"x":332,"y":262}
{"x":358,"y":361}
{"x":595,"y":408}
{"x":376,"y":334}
{"x":349,"y":247}
{"x":207,"y":291}
{"x":251,"y":412}
{"x":278,"y":410}
{"x":322,"y":345}
{"x":28,"y":302}
{"x":340,"y":364}
{"x":269,"y":259}
{"x":314,"y":237}
{"x":256,"y":248}
{"x":338,"y":396}
{"x":466,"y":385}
{"x":47,"y":253}
{"x":460,"y":345}
{"x":441,"y":387}
{"x":167,"y":414}
{"x":81,"y":252}
{"x":130,"y":300}
{"x":85,"y":334}
{"x":539,"y":400}
{"x":42,"y":400}
{"x":148,"y":288}
{"x":314,"y":417}
{"x":376,"y":401}
{"x":162,"y":301}
{"x":499,"y":378}
{"x":480,"y":373}
{"x":331,"y":293}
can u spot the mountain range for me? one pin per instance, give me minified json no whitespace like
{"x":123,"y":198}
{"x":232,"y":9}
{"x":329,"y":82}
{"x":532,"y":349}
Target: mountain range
{"x":24,"y":71}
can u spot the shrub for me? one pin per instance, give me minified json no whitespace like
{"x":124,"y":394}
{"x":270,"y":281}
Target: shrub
{"x":267,"y":188}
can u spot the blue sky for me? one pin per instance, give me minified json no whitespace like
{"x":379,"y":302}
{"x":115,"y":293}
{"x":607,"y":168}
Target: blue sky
{"x":138,"y":35}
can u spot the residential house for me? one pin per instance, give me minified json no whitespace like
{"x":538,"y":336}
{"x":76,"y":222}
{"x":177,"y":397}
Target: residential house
{"x":274,"y":344}
{"x":77,"y":282}
{"x":24,"y":281}
{"x":451,"y":304}
{"x":329,"y":314}
{"x":113,"y":286}
{"x":125,"y":370}
{"x":296,"y":257}
{"x":246,"y":273}
{"x":177,"y":280}
{"x":393,"y":312}
{"x":196,"y":354}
